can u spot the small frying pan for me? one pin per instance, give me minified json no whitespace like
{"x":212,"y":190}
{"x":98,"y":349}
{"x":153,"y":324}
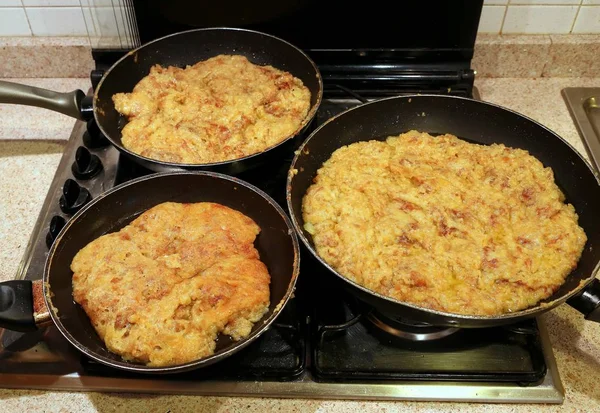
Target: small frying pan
{"x":477,"y":122}
{"x":21,"y":308}
{"x":180,"y":49}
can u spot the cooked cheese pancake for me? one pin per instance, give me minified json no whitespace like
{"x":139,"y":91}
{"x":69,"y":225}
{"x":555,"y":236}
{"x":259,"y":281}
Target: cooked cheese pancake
{"x":444,"y":224}
{"x":219,"y":109}
{"x":160,"y":290}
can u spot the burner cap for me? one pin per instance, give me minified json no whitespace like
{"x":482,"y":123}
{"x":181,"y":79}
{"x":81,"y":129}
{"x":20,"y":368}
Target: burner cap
{"x":407,"y":329}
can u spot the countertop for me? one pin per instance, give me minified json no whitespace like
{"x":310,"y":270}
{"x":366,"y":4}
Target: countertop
{"x":31,"y":143}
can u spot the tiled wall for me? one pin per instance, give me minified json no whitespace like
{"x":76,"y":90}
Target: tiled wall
{"x":105,"y":20}
{"x":540,"y":16}
{"x":98,"y":19}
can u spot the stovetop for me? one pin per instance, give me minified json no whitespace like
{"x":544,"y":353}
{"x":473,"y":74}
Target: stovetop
{"x":323,"y":344}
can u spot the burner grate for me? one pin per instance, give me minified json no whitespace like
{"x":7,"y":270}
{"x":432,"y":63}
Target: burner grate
{"x":348,"y":347}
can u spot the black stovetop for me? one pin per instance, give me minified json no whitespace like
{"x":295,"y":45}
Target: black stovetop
{"x":323,"y":330}
{"x":321,"y":336}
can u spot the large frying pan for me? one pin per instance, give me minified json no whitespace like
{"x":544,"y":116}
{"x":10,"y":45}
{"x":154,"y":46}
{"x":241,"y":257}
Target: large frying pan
{"x":277,"y":245}
{"x":179,"y":49}
{"x":477,"y":122}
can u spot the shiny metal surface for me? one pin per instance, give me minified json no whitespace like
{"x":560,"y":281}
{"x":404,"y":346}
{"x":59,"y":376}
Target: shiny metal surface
{"x":584,"y":106}
{"x":414,"y":333}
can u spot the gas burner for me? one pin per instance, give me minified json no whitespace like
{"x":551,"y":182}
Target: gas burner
{"x":407,"y":329}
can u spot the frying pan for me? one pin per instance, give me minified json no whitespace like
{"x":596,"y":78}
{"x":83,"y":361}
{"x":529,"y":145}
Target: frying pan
{"x":477,"y":122}
{"x":179,"y":49}
{"x":277,"y":244}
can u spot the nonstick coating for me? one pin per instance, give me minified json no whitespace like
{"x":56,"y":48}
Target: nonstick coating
{"x":277,"y":245}
{"x":474,"y":121}
{"x":188,"y":48}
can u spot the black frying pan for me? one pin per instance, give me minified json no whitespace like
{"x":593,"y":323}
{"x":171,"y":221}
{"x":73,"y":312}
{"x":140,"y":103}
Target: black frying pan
{"x":179,"y":49}
{"x":477,"y":122}
{"x":277,"y":245}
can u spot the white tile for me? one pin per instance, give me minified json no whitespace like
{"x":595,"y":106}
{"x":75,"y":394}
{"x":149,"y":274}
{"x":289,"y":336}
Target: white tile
{"x":10,"y":3}
{"x":491,"y":19}
{"x":125,"y":30}
{"x":553,"y":2}
{"x":539,"y":19}
{"x":591,"y":1}
{"x":50,"y":3}
{"x":588,"y":20}
{"x":13,"y":22}
{"x":495,"y":2}
{"x":101,"y":21}
{"x":56,"y":21}
{"x":89,"y":22}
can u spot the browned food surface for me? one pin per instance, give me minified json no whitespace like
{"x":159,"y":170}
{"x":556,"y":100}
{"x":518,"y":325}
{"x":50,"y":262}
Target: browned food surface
{"x":219,"y":109}
{"x":160,"y":290}
{"x":444,"y":224}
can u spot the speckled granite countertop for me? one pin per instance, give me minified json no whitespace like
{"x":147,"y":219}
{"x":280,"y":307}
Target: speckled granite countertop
{"x":31,"y":142}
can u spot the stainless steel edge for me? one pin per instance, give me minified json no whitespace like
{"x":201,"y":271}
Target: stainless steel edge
{"x":550,"y":391}
{"x":575,"y":98}
{"x":305,"y":388}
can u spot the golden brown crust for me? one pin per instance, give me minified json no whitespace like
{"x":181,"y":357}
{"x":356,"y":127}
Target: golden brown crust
{"x":216,"y":110}
{"x":444,"y":224}
{"x":160,"y":290}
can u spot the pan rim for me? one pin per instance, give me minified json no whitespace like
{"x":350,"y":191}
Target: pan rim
{"x":140,"y":368}
{"x":502,"y":318}
{"x":190,"y":166}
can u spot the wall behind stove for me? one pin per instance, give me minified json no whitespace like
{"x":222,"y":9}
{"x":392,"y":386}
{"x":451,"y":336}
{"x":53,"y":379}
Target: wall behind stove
{"x":540,"y":16}
{"x":105,"y":21}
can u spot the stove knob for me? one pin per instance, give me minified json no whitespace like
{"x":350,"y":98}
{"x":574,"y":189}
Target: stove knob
{"x":73,"y":197}
{"x":86,"y":165}
{"x":93,"y":138}
{"x":96,"y":76}
{"x":56,"y":224}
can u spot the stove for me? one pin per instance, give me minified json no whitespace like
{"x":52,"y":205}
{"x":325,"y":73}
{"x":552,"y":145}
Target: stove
{"x":323,"y":345}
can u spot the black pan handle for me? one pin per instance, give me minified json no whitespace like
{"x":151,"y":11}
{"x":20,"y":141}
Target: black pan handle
{"x":588,"y":301}
{"x":22,"y":305}
{"x":66,"y":103}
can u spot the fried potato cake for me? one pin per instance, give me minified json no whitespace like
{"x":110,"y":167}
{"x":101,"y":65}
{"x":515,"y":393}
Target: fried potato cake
{"x":160,"y":290}
{"x":219,"y":109}
{"x":443,"y":223}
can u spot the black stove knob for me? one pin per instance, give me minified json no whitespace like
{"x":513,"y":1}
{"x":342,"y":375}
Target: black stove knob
{"x":93,"y":138}
{"x":86,"y":165}
{"x":96,"y":76}
{"x":73,"y":197}
{"x":56,"y":224}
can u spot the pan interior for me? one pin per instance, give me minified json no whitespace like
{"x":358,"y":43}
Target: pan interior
{"x":276,"y":245}
{"x":476,"y":122}
{"x":188,"y":48}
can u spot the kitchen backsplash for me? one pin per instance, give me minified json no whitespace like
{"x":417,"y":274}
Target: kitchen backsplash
{"x":540,"y":16}
{"x":105,"y":21}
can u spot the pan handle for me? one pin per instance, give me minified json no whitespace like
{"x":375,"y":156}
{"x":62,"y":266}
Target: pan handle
{"x":22,"y":305}
{"x":66,"y":103}
{"x":588,"y":301}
